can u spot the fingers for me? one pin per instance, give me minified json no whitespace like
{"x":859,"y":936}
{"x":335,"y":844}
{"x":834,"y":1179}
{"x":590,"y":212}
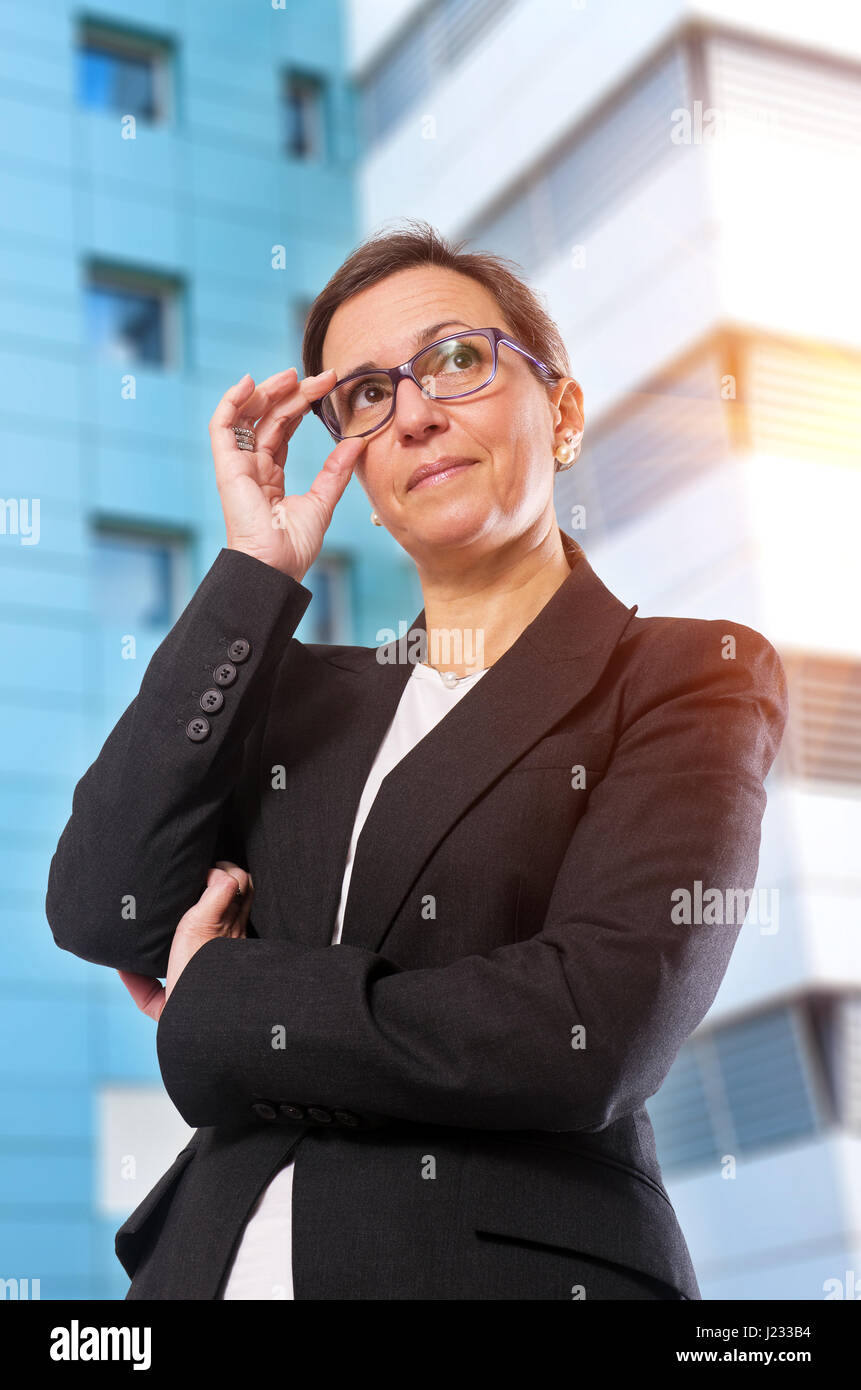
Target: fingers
{"x":240,"y":926}
{"x":148,"y":994}
{"x":218,"y":907}
{"x":279,"y":403}
{"x":286,"y":409}
{"x":226,"y":413}
{"x":272,"y":391}
{"x":229,"y":459}
{"x":242,"y":876}
{"x":239,"y":909}
{"x":328,"y":486}
{"x":240,"y":405}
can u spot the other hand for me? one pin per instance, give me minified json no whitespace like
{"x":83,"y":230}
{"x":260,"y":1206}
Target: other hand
{"x":219,"y":911}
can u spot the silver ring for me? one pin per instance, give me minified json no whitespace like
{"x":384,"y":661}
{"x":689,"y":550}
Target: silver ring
{"x":245,"y":439}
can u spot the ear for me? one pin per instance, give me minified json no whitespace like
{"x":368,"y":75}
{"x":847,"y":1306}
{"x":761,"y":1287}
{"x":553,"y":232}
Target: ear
{"x":566,"y":400}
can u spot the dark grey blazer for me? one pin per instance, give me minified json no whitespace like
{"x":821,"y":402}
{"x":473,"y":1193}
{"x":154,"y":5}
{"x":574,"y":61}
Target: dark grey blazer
{"x":462,"y":1080}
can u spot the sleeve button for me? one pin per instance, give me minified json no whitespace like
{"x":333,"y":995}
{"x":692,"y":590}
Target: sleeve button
{"x":225,"y":674}
{"x":264,"y":1110}
{"x":197,"y":729}
{"x":346,"y":1117}
{"x":292,"y":1112}
{"x":322,"y":1117}
{"x":212,"y":700}
{"x":239,"y":650}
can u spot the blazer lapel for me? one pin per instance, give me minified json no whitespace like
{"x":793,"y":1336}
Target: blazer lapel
{"x":551,"y":667}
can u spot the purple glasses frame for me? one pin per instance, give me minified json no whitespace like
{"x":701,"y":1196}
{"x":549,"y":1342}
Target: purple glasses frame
{"x":397,"y":374}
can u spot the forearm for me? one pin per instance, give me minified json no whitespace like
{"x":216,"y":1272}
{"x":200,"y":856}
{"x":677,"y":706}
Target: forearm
{"x":148,"y":813}
{"x":500,"y":1041}
{"x":485,"y":1042}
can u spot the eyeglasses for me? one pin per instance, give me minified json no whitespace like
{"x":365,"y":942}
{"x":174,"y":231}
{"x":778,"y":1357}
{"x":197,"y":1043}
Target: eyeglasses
{"x":448,"y":369}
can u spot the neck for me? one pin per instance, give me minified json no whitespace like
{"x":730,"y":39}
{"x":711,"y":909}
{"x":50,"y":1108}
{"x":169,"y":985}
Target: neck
{"x":474,"y":616}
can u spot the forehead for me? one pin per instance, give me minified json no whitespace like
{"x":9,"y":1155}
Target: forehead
{"x":377,"y":324}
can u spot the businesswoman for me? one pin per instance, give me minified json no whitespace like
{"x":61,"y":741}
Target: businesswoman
{"x":416,"y":908}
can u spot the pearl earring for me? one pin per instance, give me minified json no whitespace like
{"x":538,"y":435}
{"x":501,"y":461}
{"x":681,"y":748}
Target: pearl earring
{"x":375,"y":519}
{"x":568,"y":452}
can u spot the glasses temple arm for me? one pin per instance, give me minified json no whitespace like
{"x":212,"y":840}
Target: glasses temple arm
{"x":551,"y":376}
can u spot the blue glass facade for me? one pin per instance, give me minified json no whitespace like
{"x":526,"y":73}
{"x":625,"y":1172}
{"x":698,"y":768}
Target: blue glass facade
{"x":142,"y":275}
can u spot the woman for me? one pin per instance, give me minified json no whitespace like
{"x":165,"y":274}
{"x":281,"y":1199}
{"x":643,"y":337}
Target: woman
{"x":451,"y":1104}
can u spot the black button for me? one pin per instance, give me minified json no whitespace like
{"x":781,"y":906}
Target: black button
{"x":225,"y":674}
{"x":316,"y":1112}
{"x":198,"y":728}
{"x":292,"y":1112}
{"x":264,"y":1110}
{"x":346,"y":1117}
{"x":211,"y":700}
{"x":240,"y":650}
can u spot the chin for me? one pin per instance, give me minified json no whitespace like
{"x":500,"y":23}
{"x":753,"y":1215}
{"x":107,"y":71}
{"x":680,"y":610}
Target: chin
{"x":448,"y":526}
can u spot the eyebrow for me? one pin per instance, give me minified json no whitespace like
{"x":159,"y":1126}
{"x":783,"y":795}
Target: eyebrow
{"x":419,"y":339}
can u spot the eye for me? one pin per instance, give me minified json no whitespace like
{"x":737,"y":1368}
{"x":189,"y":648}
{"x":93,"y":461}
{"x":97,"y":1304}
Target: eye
{"x":463,"y":357}
{"x":458,"y":357}
{"x":367,"y":385}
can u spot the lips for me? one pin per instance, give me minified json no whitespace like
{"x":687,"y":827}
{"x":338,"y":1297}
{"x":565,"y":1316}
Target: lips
{"x":440,"y":465}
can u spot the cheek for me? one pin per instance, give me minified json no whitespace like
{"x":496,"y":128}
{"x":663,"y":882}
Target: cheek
{"x":371,"y":475}
{"x":531,"y":429}
{"x":528,"y":475}
{"x":522,"y":457}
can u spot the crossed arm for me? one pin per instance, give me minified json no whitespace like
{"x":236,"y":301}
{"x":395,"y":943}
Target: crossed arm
{"x":568,"y":1029}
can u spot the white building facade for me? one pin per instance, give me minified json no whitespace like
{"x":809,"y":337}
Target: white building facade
{"x":681,"y":182}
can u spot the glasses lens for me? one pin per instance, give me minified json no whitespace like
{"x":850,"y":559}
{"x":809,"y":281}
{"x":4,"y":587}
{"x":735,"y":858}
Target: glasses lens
{"x":450,"y":368}
{"x":361,"y":404}
{"x":453,"y":367}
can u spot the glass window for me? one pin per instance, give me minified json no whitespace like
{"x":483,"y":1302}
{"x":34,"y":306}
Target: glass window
{"x":124,"y":74}
{"x":665,"y":436}
{"x":680,"y":1114}
{"x":131,"y":318}
{"x":124,"y":325}
{"x":137,"y":580}
{"x":304,"y":117}
{"x":327,"y":618}
{"x":138,"y":1119}
{"x":428,"y":45}
{"x":595,"y":168}
{"x":737,"y":1089}
{"x":401,"y":80}
{"x":762,"y":1064}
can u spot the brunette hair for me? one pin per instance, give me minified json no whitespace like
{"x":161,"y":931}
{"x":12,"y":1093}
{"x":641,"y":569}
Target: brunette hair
{"x":418,"y":243}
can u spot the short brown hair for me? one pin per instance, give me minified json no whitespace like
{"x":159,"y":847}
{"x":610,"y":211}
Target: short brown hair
{"x":419,"y":243}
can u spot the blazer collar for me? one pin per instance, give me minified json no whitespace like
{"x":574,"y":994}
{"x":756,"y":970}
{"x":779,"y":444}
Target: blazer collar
{"x":335,"y":732}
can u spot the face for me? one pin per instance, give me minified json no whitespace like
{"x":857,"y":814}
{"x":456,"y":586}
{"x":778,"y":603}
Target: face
{"x":505,"y":434}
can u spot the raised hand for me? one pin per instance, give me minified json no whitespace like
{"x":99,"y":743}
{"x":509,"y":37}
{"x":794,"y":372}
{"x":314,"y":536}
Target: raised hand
{"x":283,"y":531}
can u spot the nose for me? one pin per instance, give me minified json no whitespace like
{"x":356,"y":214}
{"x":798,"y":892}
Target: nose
{"x":415,"y":410}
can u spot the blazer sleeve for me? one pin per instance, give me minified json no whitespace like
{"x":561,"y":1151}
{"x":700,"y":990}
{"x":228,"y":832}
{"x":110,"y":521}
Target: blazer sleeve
{"x":566,"y":1030}
{"x":151,"y":814}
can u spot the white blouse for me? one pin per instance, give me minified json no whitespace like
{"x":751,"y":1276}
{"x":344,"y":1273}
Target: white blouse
{"x":262,"y":1267}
